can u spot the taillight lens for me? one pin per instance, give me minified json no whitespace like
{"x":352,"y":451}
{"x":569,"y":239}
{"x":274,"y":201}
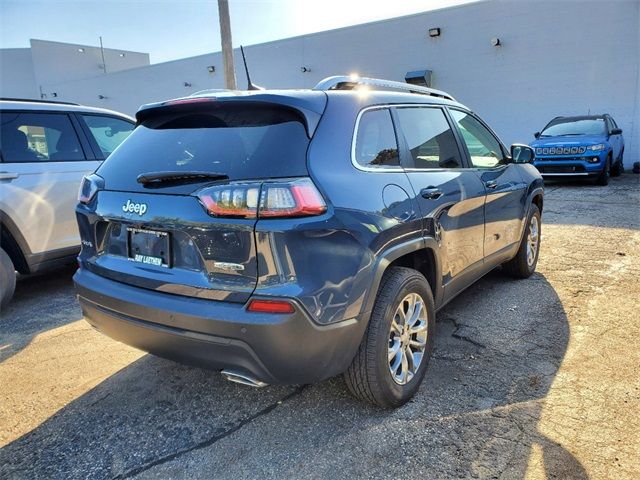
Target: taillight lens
{"x":89,"y":187}
{"x":277,"y":199}
{"x":270,"y":306}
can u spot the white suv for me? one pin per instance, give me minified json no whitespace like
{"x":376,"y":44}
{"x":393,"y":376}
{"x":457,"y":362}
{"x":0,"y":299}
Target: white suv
{"x":45,"y":150}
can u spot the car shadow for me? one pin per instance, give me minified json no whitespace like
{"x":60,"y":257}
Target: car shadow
{"x":498,"y":348}
{"x":23,"y":318}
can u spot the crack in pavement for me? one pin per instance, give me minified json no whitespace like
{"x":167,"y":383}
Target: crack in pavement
{"x":458,"y":336}
{"x":210,"y":441}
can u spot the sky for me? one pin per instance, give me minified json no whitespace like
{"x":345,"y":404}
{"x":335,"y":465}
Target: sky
{"x":170,"y":30}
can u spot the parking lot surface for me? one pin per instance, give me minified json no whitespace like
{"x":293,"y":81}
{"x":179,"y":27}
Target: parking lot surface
{"x":535,"y":378}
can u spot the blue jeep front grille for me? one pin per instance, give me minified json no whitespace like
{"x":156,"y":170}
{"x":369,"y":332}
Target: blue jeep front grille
{"x":560,"y":150}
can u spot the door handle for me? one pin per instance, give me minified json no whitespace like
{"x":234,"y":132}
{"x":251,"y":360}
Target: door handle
{"x":491,"y":184}
{"x":431,"y":193}
{"x":8,"y":175}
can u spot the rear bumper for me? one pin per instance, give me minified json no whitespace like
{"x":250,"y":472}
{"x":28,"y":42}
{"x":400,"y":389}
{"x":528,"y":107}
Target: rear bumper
{"x":273,"y":348}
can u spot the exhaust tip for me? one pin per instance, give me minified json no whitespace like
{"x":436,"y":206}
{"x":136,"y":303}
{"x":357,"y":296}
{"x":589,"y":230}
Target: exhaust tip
{"x":242,"y":379}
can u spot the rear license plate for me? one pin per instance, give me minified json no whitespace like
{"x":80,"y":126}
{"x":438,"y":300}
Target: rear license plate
{"x":149,"y":246}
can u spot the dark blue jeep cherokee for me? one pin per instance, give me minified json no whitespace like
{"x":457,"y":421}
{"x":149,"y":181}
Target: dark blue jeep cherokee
{"x":290,"y":236}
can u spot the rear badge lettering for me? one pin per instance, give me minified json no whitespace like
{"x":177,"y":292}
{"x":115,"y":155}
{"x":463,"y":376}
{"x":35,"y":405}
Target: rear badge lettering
{"x":234,"y":267}
{"x":130,"y":207}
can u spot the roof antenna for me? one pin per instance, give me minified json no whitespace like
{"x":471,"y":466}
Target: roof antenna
{"x":250,"y":85}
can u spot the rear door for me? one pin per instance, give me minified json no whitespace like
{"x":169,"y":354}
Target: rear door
{"x":44,"y":157}
{"x":450,"y":196}
{"x":505,"y":206}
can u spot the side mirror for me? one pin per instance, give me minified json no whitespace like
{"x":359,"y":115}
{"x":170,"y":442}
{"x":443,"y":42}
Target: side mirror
{"x":522,"y":153}
{"x":616,"y":131}
{"x":537,"y":134}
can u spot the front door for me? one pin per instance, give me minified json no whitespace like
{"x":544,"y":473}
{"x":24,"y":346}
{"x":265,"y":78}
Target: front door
{"x":505,"y":206}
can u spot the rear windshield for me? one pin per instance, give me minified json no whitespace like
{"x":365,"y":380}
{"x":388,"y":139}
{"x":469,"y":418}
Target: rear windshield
{"x":237,"y":141}
{"x":574,"y":127}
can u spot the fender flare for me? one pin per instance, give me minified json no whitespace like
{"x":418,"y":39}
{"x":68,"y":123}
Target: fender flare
{"x":386,"y":257}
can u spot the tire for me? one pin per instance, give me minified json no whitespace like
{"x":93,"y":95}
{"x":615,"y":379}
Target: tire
{"x":7,"y":279}
{"x":603,"y":178}
{"x":369,"y":376}
{"x":524,"y":263}
{"x":618,"y":168}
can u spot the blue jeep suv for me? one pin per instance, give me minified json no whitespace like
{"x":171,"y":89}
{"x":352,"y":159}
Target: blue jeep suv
{"x":583,"y":146}
{"x":285,"y":237}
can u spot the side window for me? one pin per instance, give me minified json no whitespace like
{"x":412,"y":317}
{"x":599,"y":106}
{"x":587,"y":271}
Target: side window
{"x":109,"y":132}
{"x":429,"y":136}
{"x":38,"y":137}
{"x":376,"y":144}
{"x":484,"y":149}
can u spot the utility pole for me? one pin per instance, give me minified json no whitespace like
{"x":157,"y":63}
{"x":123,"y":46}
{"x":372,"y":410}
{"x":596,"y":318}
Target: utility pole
{"x":227,"y":46}
{"x":104,"y":64}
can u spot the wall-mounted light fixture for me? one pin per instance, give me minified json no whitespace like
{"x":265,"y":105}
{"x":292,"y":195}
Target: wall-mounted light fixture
{"x":434,"y":32}
{"x":211,"y":68}
{"x":186,"y":84}
{"x":122,"y":55}
{"x":305,"y":69}
{"x":102,"y":97}
{"x":495,"y":41}
{"x":54,"y":94}
{"x":81,"y":50}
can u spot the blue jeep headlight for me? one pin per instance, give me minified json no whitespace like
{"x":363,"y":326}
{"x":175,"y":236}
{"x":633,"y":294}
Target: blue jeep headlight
{"x":597,"y":148}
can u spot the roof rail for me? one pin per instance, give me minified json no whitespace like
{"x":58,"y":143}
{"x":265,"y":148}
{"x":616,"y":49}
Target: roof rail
{"x":349,"y":82}
{"x":36,"y":101}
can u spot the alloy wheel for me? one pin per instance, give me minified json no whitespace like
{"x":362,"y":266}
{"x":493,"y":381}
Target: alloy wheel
{"x":407,"y":338}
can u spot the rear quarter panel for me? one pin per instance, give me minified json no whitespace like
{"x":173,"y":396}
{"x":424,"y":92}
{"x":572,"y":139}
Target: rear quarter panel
{"x":329,"y":262}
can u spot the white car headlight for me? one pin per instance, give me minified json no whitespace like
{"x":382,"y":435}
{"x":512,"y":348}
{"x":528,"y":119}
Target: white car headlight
{"x":597,"y":148}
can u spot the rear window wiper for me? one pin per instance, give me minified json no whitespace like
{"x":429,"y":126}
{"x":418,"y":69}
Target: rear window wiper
{"x":159,"y":177}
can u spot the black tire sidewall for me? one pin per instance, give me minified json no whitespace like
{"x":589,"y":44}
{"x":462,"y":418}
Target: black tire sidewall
{"x":7,"y":279}
{"x":535,"y":212}
{"x":603,"y":179}
{"x":395,"y":393}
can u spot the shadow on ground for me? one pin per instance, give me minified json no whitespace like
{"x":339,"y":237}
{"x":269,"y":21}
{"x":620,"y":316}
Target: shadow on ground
{"x":49,"y":297}
{"x":498,"y":348}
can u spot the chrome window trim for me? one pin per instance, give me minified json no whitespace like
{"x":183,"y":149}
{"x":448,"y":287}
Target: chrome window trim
{"x":399,"y":168}
{"x":354,"y":162}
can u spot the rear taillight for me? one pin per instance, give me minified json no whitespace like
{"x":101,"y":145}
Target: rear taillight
{"x":277,"y":199}
{"x":89,"y":187}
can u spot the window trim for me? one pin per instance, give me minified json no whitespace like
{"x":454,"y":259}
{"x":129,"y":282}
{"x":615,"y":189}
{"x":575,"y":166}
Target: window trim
{"x":466,"y":152}
{"x":97,"y":151}
{"x":88,"y":154}
{"x":386,"y":169}
{"x":405,"y":145}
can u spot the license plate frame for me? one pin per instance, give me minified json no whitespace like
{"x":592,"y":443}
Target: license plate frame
{"x":149,"y":247}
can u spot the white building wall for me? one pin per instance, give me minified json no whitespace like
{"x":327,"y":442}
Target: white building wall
{"x":17,"y":78}
{"x":56,"y":62}
{"x":555,"y":58}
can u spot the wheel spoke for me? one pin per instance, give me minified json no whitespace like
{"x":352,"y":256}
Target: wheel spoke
{"x":395,"y":327}
{"x":396,"y":362}
{"x":393,"y":351}
{"x":419,"y":328}
{"x":405,"y":367}
{"x":417,"y":311}
{"x":410,"y":361}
